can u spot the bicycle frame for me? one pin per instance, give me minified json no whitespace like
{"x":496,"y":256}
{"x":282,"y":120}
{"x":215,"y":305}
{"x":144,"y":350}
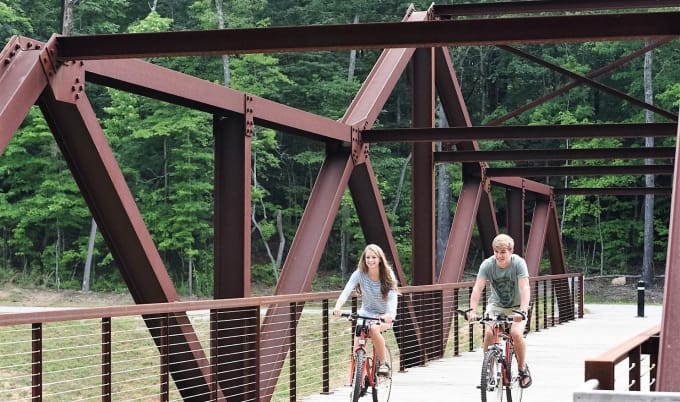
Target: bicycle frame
{"x":503,"y":341}
{"x":499,"y":366}
{"x":364,"y":367}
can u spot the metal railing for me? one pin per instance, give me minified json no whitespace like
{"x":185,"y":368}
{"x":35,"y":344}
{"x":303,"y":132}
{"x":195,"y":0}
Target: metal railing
{"x":273,"y":348}
{"x":638,"y":357}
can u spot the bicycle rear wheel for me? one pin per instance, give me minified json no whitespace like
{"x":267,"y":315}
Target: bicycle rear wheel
{"x":357,"y":380}
{"x":513,"y":391}
{"x":490,"y":384}
{"x":382,"y":385}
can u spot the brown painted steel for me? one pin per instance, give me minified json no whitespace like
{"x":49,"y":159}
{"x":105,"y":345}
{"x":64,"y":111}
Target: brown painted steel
{"x":22,"y":79}
{"x":467,"y":32}
{"x":543,"y":6}
{"x":232,"y":206}
{"x":574,"y":83}
{"x":535,"y":188}
{"x":536,"y":240}
{"x":478,"y":133}
{"x":514,"y":217}
{"x":167,"y":85}
{"x":620,"y":191}
{"x":303,"y":260}
{"x":460,"y":235}
{"x":581,"y":170}
{"x":591,"y":83}
{"x":556,"y":154}
{"x":669,"y":358}
{"x":103,"y":186}
{"x":422,"y":170}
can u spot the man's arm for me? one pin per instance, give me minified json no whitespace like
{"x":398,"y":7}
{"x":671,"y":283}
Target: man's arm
{"x":525,"y":293}
{"x":479,"y":285}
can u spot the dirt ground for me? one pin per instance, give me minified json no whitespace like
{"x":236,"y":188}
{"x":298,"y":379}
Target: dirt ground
{"x":601,"y":290}
{"x":598,"y":290}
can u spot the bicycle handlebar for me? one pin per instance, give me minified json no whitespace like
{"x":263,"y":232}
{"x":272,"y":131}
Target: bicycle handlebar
{"x":500,"y":317}
{"x":351,"y":316}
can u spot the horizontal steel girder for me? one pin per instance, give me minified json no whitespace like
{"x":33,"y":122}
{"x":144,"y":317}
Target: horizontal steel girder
{"x":543,"y":6}
{"x":618,"y":191}
{"x":556,"y":154}
{"x":506,"y":31}
{"x":478,"y":133}
{"x":542,"y":171}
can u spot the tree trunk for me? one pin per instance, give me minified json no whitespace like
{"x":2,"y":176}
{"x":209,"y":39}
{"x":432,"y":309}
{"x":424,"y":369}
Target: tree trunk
{"x":443,"y":202}
{"x":88,"y":259}
{"x":352,"y":56}
{"x":225,"y":58}
{"x":648,"y":248}
{"x":66,"y":16}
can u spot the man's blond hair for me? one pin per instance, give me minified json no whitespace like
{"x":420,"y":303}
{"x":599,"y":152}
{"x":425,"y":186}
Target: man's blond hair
{"x":503,"y":241}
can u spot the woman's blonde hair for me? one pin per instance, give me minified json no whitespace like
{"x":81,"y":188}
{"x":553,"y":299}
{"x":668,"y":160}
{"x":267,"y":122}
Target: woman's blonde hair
{"x":387,"y":279}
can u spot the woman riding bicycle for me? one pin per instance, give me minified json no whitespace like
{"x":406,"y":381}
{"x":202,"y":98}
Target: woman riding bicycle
{"x":508,"y":277}
{"x":375,"y":282}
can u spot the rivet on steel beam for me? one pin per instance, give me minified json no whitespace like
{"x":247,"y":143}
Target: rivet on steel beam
{"x":6,"y":61}
{"x":77,"y":96}
{"x":80,"y":88}
{"x":12,"y":54}
{"x":17,"y":46}
{"x":77,"y":80}
{"x":73,"y":88}
{"x":29,"y":45}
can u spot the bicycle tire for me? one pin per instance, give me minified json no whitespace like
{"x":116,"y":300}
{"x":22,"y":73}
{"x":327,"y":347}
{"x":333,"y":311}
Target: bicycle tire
{"x":490,"y":379}
{"x":514,"y":392}
{"x":382,"y":385}
{"x":357,"y":380}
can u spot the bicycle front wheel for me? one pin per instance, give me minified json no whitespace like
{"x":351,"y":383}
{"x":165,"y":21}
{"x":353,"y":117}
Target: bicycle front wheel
{"x":357,"y":377}
{"x":490,"y":384}
{"x":513,"y":391}
{"x":382,"y":384}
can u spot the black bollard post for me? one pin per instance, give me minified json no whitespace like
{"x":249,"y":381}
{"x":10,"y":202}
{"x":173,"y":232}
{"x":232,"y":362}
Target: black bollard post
{"x":641,"y":299}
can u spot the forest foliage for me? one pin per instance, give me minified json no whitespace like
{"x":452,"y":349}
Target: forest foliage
{"x":166,"y":152}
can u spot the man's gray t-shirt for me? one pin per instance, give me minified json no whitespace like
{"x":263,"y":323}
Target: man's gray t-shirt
{"x":503,"y":281}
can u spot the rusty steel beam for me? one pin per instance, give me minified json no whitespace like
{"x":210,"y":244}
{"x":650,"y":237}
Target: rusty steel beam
{"x":422,"y":176}
{"x":514,"y":217}
{"x":156,"y":82}
{"x":591,"y":83}
{"x":556,"y":154}
{"x":377,"y":87}
{"x":543,"y":6}
{"x":232,"y":205}
{"x":92,"y":163}
{"x":537,"y":235}
{"x":574,"y":83}
{"x":22,"y":80}
{"x":618,"y":191}
{"x":541,"y":171}
{"x":527,"y":185}
{"x":302,"y":260}
{"x":462,"y":229}
{"x":669,"y":358}
{"x":479,"y":133}
{"x":551,"y":29}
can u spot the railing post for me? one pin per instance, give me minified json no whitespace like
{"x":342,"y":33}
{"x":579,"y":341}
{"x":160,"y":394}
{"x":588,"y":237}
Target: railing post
{"x":36,"y":361}
{"x":641,"y":298}
{"x":292,"y":366}
{"x":164,"y":348}
{"x":106,"y":359}
{"x":325,"y":349}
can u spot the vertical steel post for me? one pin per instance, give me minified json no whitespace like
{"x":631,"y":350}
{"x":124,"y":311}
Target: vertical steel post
{"x":641,"y":298}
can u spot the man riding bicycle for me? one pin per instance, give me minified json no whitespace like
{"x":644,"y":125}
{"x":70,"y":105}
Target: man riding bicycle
{"x":508,"y":277}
